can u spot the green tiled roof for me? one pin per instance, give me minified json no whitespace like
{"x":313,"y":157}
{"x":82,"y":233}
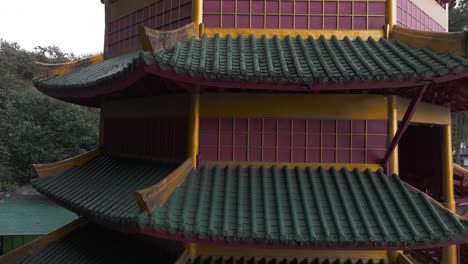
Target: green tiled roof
{"x":104,"y":188}
{"x":289,"y":60}
{"x":252,"y":260}
{"x":304,"y":206}
{"x":101,"y":73}
{"x":94,"y":244}
{"x":299,"y":60}
{"x":31,"y":215}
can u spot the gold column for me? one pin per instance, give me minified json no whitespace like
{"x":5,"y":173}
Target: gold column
{"x":197,"y":12}
{"x":194,"y":123}
{"x":449,"y":253}
{"x":101,"y":127}
{"x":392,"y":129}
{"x":391,"y":13}
{"x":392,"y":126}
{"x":191,"y":250}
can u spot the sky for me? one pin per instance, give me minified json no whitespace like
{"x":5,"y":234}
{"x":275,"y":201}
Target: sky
{"x":74,"y":26}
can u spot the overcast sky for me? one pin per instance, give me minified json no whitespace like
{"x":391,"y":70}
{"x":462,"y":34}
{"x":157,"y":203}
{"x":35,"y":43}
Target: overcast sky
{"x":74,"y":26}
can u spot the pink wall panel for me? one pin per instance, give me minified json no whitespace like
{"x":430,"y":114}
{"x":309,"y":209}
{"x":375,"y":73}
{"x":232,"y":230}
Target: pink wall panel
{"x":292,"y":140}
{"x":160,"y":138}
{"x":123,"y":34}
{"x":295,"y":14}
{"x":411,"y":16}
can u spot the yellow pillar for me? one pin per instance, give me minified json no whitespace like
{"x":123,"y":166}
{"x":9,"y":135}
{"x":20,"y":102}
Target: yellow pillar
{"x":391,"y":13}
{"x":194,"y":124}
{"x":449,"y":253}
{"x":197,"y":12}
{"x":191,"y":250}
{"x":392,"y":126}
{"x":101,"y":127}
{"x":392,"y":129}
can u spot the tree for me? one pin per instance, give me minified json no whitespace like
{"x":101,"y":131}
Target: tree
{"x":35,"y":128}
{"x":458,"y":15}
{"x":458,"y":21}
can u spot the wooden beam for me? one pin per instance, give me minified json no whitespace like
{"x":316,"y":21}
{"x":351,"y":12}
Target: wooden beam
{"x":56,"y":168}
{"x":441,"y":42}
{"x":55,"y":69}
{"x":153,"y":196}
{"x":183,"y":258}
{"x":404,"y":123}
{"x":403,"y":259}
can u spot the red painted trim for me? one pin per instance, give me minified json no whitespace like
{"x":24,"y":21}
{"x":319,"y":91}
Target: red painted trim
{"x":253,"y":244}
{"x":315,"y":86}
{"x":404,"y":123}
{"x":260,"y":85}
{"x":461,"y":200}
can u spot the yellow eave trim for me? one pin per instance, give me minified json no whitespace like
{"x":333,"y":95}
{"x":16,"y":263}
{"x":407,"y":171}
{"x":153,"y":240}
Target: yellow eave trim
{"x":349,"y":166}
{"x":156,"y":195}
{"x":56,"y":168}
{"x":258,"y":32}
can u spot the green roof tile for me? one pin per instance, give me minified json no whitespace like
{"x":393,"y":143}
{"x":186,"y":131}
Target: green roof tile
{"x":101,"y":73}
{"x":299,"y":60}
{"x":94,"y":244}
{"x":278,"y":260}
{"x":304,"y":206}
{"x":31,"y":215}
{"x":294,"y":60}
{"x":104,"y":188}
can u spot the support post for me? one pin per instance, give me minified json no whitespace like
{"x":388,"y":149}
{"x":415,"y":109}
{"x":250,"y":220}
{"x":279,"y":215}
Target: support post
{"x":191,"y":250}
{"x":392,"y":126}
{"x":392,"y":129}
{"x":391,"y":13}
{"x":101,"y":127}
{"x":449,"y":253}
{"x":197,"y":12}
{"x":404,"y":124}
{"x":194,"y":124}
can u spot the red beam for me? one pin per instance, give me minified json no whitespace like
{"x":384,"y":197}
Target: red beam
{"x":404,"y":123}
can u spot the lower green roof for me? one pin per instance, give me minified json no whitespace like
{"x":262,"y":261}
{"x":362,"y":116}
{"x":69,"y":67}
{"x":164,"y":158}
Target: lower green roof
{"x":267,"y":205}
{"x":256,"y":260}
{"x":104,"y":188}
{"x":31,"y":215}
{"x":94,"y":244}
{"x":304,"y":206}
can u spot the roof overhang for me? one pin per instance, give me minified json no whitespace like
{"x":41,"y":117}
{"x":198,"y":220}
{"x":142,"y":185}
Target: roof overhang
{"x":292,"y":64}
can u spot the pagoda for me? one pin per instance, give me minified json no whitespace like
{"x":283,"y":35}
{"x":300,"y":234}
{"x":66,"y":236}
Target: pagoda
{"x":261,"y":131}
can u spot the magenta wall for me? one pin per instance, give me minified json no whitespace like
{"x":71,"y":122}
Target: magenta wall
{"x":411,"y":16}
{"x":159,"y":138}
{"x":123,"y":34}
{"x":292,"y":140}
{"x":294,"y":14}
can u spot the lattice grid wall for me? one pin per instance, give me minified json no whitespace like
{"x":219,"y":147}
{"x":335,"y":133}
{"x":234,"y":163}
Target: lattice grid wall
{"x":292,"y":140}
{"x":161,"y":138}
{"x":123,"y":34}
{"x":295,"y":14}
{"x":411,"y":16}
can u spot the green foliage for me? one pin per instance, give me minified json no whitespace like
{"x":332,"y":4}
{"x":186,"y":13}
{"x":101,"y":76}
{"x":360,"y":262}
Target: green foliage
{"x":458,"y":15}
{"x":35,"y":128}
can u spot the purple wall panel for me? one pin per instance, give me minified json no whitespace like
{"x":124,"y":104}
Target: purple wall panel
{"x":292,"y":140}
{"x":410,"y":16}
{"x":295,"y":14}
{"x":160,"y":138}
{"x":123,"y":34}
